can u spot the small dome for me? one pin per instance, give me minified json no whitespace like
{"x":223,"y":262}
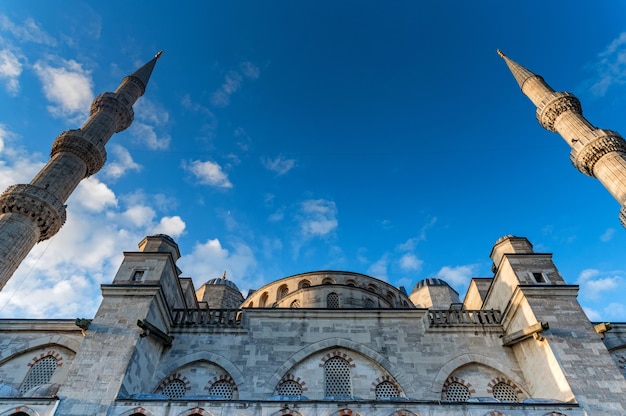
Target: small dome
{"x":164,"y":236}
{"x":8,"y":391}
{"x":432,"y":281}
{"x":222,"y":281}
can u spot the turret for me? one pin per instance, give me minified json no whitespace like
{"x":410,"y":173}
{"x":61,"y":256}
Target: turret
{"x":30,"y":213}
{"x":595,"y":152}
{"x":433,"y":293}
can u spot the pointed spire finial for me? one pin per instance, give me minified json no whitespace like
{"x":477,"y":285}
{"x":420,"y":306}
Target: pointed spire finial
{"x":159,"y":53}
{"x":224,"y":275}
{"x":520,"y":73}
{"x":500,"y":53}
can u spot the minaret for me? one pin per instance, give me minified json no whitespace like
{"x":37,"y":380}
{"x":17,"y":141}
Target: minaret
{"x":35,"y":212}
{"x":595,"y":152}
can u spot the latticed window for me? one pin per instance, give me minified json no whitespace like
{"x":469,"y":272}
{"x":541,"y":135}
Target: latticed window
{"x":175,"y":389}
{"x":290,"y":388}
{"x":457,"y":392}
{"x":332,"y":301}
{"x":295,"y":304}
{"x":504,"y":392}
{"x":386,"y":390}
{"x":282,"y":292}
{"x":337,"y":381}
{"x":222,"y":389}
{"x":40,"y":373}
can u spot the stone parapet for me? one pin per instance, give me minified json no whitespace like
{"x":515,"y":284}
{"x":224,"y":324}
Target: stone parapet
{"x":110,"y":103}
{"x":72,"y":141}
{"x":36,"y":203}
{"x":586,"y":158}
{"x":555,"y":104}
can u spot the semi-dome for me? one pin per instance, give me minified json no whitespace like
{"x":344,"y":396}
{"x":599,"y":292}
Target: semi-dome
{"x":8,"y":391}
{"x":431,"y":281}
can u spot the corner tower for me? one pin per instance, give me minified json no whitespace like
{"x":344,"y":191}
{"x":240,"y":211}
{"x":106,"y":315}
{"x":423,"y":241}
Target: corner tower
{"x":34,"y":212}
{"x":595,"y":152}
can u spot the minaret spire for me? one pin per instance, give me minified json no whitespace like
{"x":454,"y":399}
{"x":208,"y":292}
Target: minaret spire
{"x":595,"y":152}
{"x":34,"y":212}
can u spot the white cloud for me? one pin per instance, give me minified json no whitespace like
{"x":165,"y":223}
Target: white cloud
{"x":208,"y":173}
{"x":593,"y":282}
{"x":172,"y":226}
{"x":280,"y":165}
{"x":10,"y":71}
{"x":28,"y":32}
{"x":68,"y":86}
{"x":611,"y":67}
{"x":94,"y":195}
{"x":592,"y":315}
{"x":122,"y":163}
{"x":232,"y":83}
{"x":139,"y":215}
{"x":209,"y":260}
{"x":457,"y":275}
{"x":410,"y":262}
{"x":608,"y":235}
{"x":379,"y":268}
{"x":146,"y":134}
{"x":318,"y":217}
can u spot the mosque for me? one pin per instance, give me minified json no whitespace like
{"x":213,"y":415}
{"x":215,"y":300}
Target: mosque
{"x":323,"y":343}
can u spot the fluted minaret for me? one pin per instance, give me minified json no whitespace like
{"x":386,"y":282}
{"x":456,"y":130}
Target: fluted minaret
{"x":35,"y":212}
{"x":595,"y":152}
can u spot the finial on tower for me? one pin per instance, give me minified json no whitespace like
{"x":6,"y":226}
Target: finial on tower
{"x":500,"y":53}
{"x":224,"y":275}
{"x":159,"y":53}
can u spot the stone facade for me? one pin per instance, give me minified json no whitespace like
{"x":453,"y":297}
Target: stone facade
{"x":320,"y":343}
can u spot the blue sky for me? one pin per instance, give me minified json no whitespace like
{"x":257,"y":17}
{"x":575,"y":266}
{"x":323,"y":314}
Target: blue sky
{"x":279,"y":137}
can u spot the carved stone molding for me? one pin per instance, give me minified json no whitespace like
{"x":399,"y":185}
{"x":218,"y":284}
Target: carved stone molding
{"x":110,"y":103}
{"x":554,"y":105}
{"x":36,"y":203}
{"x":73,"y":142}
{"x":622,"y":215}
{"x":586,"y":158}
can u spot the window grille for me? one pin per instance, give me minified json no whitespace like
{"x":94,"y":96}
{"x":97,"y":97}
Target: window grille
{"x":332,"y":301}
{"x":504,"y":392}
{"x":386,"y":390}
{"x":282,"y":292}
{"x":295,"y":304}
{"x":290,"y":388}
{"x":337,"y":380}
{"x":222,"y":389}
{"x":40,"y":373}
{"x":457,"y":392}
{"x":303,"y":284}
{"x":175,"y":389}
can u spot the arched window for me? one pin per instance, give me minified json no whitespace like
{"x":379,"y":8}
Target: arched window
{"x":457,"y":392}
{"x":386,"y":390}
{"x":328,"y":281}
{"x":290,"y":388}
{"x":351,"y":283}
{"x":295,"y":304}
{"x":337,"y":379}
{"x":332,"y":301}
{"x":505,"y":393}
{"x":282,"y":292}
{"x":40,"y":373}
{"x":372,"y":288}
{"x":175,"y":389}
{"x":369,"y":303}
{"x":223,"y":389}
{"x":304,"y":284}
{"x":263,"y":300}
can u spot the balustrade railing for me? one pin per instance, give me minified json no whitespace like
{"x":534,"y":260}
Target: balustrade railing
{"x":207,"y":317}
{"x":464,"y":317}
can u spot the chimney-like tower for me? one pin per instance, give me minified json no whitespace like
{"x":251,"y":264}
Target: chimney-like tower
{"x":35,"y":212}
{"x":595,"y":152}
